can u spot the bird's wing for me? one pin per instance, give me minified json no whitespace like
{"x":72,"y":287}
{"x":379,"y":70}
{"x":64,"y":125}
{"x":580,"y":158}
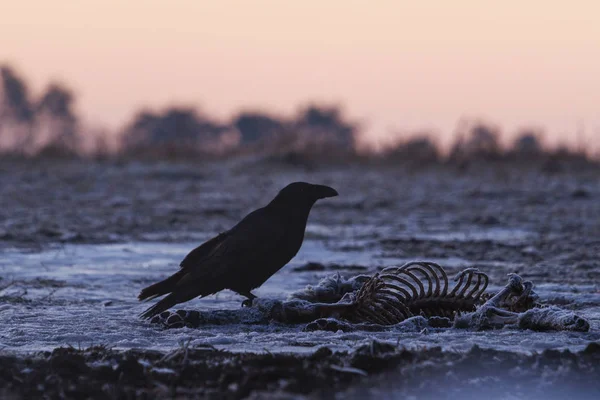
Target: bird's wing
{"x":196,"y":256}
{"x":250,"y":241}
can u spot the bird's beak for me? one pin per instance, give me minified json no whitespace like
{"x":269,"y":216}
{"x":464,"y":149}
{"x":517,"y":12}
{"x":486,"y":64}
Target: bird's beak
{"x":323,"y":191}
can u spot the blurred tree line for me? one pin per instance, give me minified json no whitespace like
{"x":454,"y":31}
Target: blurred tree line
{"x":186,"y":132}
{"x":48,"y":125}
{"x":33,"y":126}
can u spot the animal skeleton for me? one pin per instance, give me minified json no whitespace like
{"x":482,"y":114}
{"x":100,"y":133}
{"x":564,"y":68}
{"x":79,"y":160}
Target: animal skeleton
{"x":393,"y":295}
{"x":398,"y":293}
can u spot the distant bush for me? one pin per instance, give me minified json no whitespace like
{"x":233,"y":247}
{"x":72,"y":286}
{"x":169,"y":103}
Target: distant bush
{"x":528,"y":142}
{"x":563,"y":159}
{"x":47,"y":125}
{"x":476,"y":141}
{"x":57,"y":125}
{"x":324,"y":126}
{"x":16,"y":112}
{"x":176,"y":132}
{"x":419,"y":150}
{"x":527,"y":148}
{"x":259,"y":128}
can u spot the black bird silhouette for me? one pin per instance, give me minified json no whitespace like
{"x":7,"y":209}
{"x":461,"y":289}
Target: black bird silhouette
{"x":244,"y":257}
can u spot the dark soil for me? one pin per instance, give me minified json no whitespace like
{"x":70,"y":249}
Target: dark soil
{"x":100,"y":373}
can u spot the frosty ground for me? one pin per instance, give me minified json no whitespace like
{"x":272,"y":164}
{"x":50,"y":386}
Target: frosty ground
{"x":80,"y":239}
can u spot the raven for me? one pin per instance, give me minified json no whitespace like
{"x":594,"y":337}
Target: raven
{"x":245,"y":256}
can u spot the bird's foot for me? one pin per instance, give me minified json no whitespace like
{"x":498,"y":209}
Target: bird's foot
{"x":249,"y":299}
{"x":178,"y":319}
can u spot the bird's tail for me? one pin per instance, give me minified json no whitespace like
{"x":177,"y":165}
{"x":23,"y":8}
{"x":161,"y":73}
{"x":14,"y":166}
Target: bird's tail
{"x":160,"y":288}
{"x":161,"y":306}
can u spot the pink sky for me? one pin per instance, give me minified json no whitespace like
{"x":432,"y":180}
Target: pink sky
{"x":398,"y":65}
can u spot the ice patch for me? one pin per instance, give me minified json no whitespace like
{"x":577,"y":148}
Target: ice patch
{"x":82,"y":295}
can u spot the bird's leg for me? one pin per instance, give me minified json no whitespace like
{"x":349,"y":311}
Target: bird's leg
{"x":248,"y":301}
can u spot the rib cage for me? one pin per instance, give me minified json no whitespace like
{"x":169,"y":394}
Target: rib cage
{"x":417,"y":288}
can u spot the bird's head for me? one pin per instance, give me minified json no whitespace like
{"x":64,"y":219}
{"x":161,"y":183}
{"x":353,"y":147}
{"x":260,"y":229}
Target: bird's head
{"x":302,"y":193}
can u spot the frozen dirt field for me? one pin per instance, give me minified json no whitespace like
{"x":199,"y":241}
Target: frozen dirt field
{"x":79,"y":240}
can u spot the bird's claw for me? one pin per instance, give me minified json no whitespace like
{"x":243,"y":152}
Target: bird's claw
{"x":247,"y":303}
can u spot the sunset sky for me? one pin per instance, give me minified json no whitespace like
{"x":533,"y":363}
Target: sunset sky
{"x":397,"y":65}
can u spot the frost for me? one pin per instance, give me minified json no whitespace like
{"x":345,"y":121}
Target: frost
{"x":45,"y":316}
